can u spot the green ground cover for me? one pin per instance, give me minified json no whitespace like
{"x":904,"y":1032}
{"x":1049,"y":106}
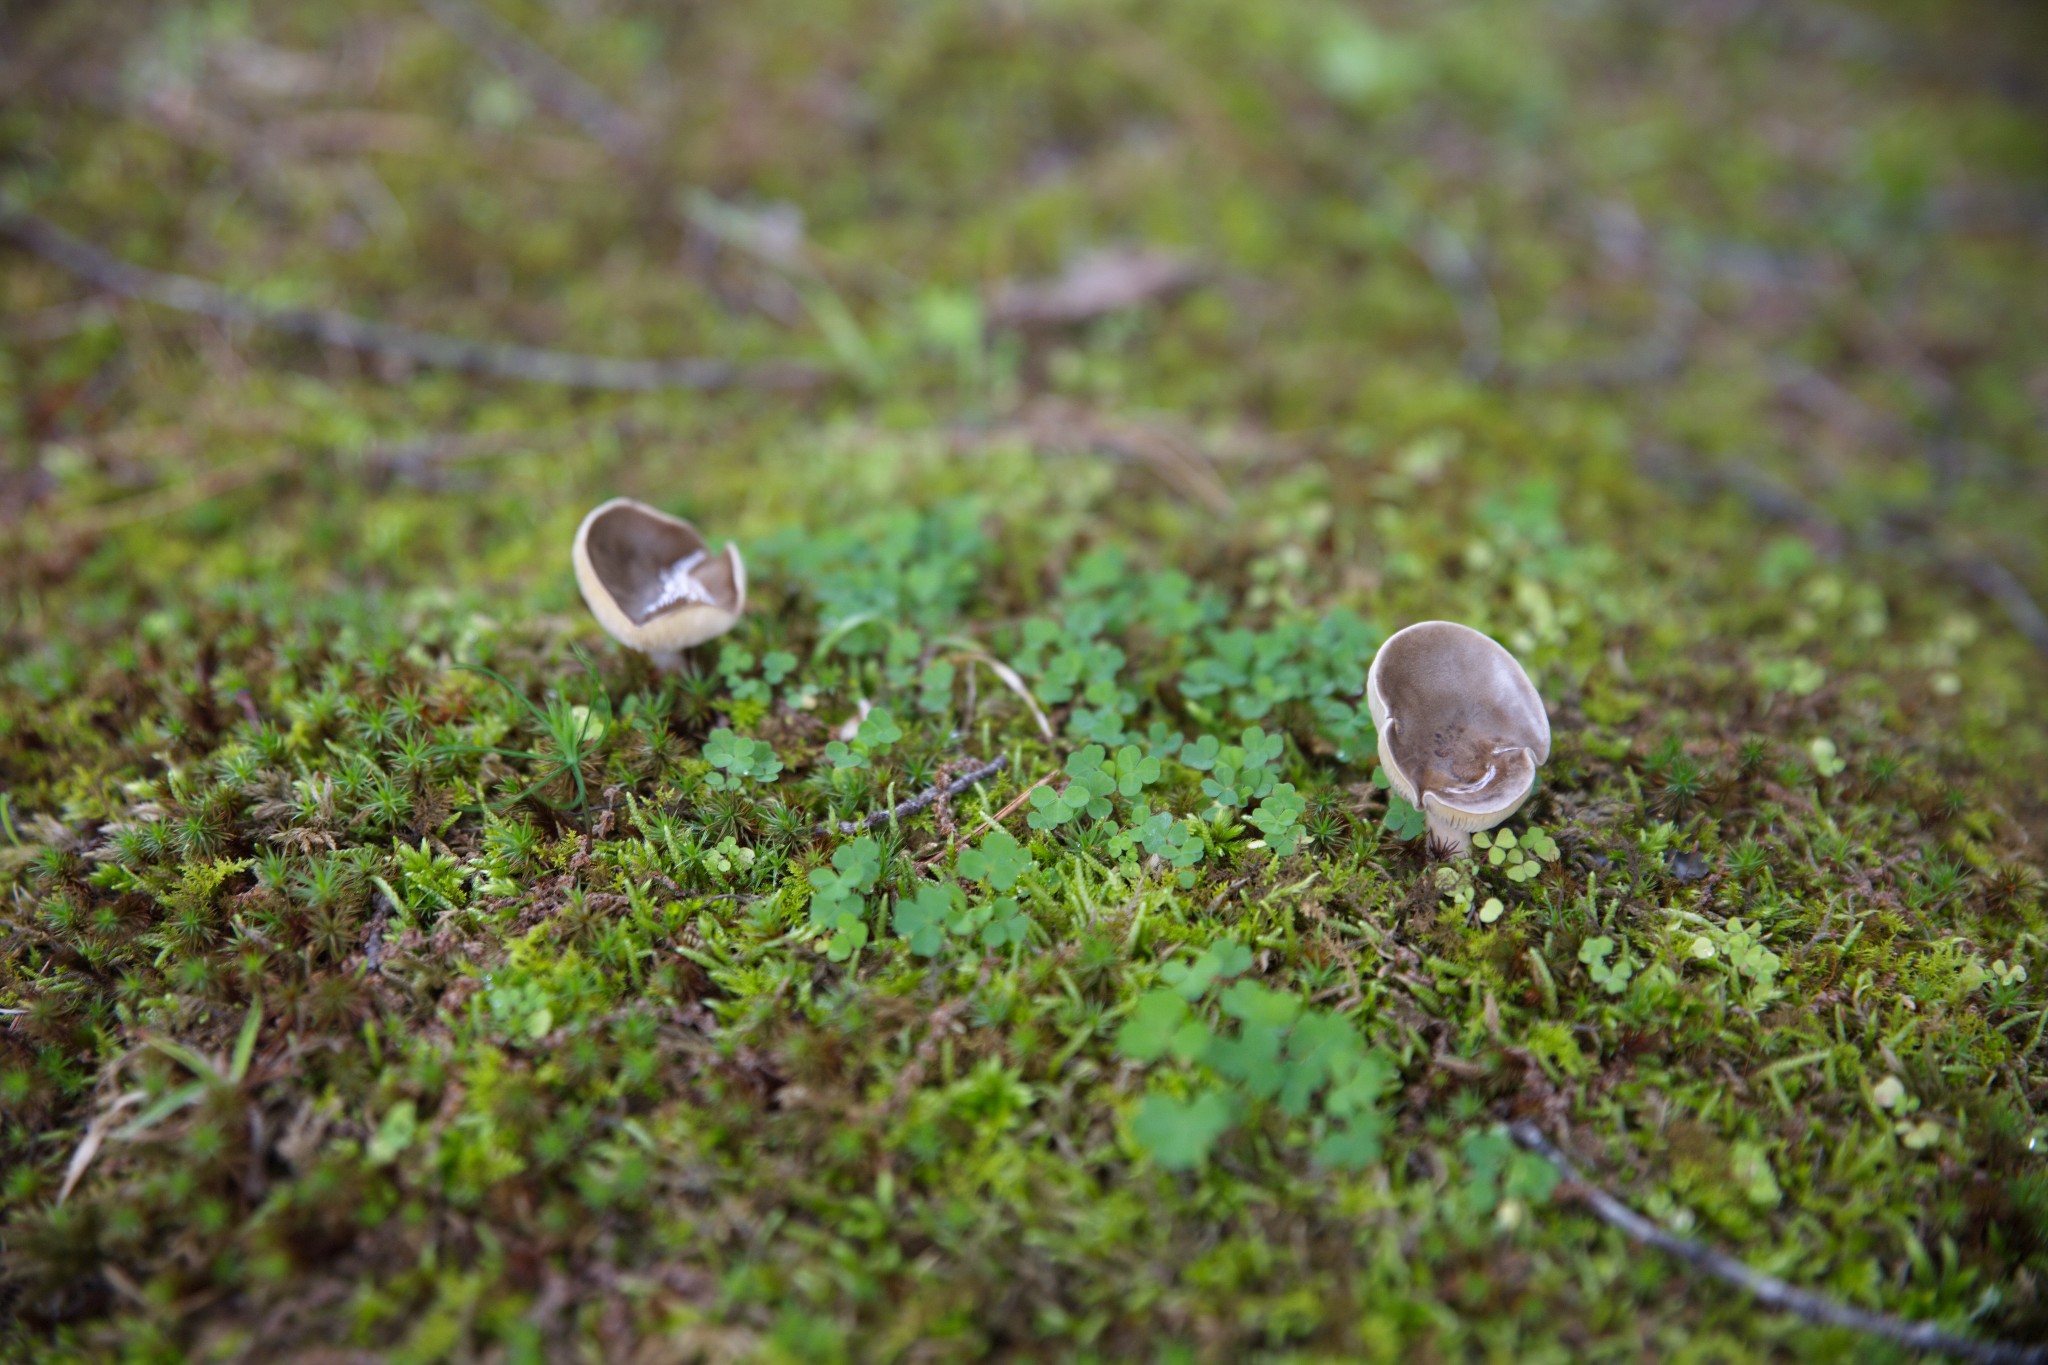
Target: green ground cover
{"x":395,"y":968}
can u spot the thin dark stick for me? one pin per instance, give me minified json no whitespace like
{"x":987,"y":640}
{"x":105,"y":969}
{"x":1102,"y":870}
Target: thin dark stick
{"x":188,"y":295}
{"x":1660,"y":354}
{"x":921,"y":800}
{"x":553,"y":86}
{"x":1773,"y":501}
{"x":1459,"y":272}
{"x":2002,"y":586}
{"x":1769,"y":1290}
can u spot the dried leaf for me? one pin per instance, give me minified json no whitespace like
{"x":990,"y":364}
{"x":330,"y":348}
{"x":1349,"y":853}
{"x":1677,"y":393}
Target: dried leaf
{"x":1108,"y":280}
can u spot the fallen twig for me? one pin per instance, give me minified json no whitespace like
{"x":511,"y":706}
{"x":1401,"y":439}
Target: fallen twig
{"x":987,"y":822}
{"x":1107,"y":280}
{"x":1772,"y":500}
{"x":169,"y":501}
{"x":2002,"y":586}
{"x":1174,"y":454}
{"x":537,"y":364}
{"x":914,"y":804}
{"x":1457,"y":270}
{"x":1010,"y":678}
{"x":1657,"y":355}
{"x":95,"y":1136}
{"x":553,"y":86}
{"x":1769,"y":1290}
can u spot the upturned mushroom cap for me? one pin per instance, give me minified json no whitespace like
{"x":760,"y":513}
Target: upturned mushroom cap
{"x":1461,"y":727}
{"x":652,"y":582}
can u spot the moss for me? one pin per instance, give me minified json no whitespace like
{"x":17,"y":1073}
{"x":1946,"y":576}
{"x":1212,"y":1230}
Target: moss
{"x":572,"y":1037}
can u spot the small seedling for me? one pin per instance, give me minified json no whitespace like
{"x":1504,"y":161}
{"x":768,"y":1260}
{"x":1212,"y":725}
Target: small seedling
{"x":1520,"y":859}
{"x":738,"y":761}
{"x":877,"y":732}
{"x":1613,"y":977}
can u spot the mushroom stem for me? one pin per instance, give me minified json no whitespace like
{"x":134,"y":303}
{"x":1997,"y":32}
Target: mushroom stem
{"x":1443,"y":834}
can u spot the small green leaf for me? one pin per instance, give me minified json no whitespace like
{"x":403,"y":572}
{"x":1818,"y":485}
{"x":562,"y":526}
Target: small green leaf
{"x":1404,"y":821}
{"x":1150,"y":1027}
{"x":1178,"y":1134}
{"x":999,"y":860}
{"x":921,"y":919}
{"x":245,"y":1045}
{"x":1223,"y":959}
{"x":394,"y":1134}
{"x":879,"y":730}
{"x":1353,"y":1145}
{"x":1007,"y":925}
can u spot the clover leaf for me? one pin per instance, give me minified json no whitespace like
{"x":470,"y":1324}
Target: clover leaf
{"x":1150,"y":1027}
{"x":1614,"y":977}
{"x":1219,"y":961}
{"x":999,"y":861}
{"x":1087,"y":791}
{"x":1135,"y":770}
{"x":739,"y":759}
{"x":1279,"y":819}
{"x":1403,"y":821}
{"x":921,"y":919}
{"x":838,"y":891}
{"x":1006,"y":925}
{"x":878,"y":731}
{"x":1178,"y":1134}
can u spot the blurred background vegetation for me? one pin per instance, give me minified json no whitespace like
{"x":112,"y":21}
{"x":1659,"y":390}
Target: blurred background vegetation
{"x":1694,"y":349}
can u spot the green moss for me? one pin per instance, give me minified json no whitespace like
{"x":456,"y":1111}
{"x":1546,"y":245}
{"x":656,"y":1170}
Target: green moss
{"x":573,"y":1033}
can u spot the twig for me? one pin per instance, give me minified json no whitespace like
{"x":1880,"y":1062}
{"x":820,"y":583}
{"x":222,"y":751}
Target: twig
{"x":1773,"y":501}
{"x":1769,"y":1290}
{"x":988,"y":821}
{"x":537,"y":364}
{"x":553,"y":86}
{"x":1657,"y":356}
{"x":1457,"y":270}
{"x":169,"y":501}
{"x":1010,"y":678}
{"x":95,"y":1137}
{"x":918,"y":802}
{"x":2002,"y":586}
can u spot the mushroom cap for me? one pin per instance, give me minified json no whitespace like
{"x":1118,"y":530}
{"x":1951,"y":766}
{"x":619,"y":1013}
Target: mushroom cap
{"x":1461,"y":727}
{"x":622,"y":550}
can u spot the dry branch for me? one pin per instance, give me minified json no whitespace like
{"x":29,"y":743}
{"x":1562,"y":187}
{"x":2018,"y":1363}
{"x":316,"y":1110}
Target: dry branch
{"x":1659,"y":354}
{"x":1769,"y":1290}
{"x":1458,"y":271}
{"x":918,"y":802}
{"x":1774,"y":502}
{"x":553,"y":86}
{"x":185,"y":294}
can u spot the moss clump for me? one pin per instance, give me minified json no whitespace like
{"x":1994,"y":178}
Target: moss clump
{"x":393,"y":965}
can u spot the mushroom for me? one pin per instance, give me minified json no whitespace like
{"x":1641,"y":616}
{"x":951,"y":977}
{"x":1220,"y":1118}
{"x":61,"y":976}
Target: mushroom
{"x":1461,"y":727}
{"x":652,"y":582}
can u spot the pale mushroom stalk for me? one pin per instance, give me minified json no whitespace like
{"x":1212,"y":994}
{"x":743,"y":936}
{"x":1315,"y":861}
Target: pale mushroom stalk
{"x":1461,"y":727}
{"x":653,"y":583}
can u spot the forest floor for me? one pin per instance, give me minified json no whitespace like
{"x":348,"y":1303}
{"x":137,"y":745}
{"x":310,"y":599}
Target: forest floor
{"x":394,"y":967}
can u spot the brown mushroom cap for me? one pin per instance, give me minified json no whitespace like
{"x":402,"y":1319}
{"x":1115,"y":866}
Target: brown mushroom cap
{"x":1461,"y":727}
{"x":623,"y":551}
